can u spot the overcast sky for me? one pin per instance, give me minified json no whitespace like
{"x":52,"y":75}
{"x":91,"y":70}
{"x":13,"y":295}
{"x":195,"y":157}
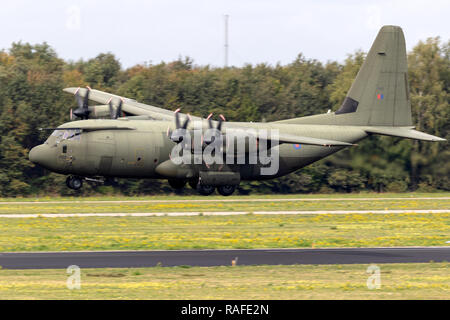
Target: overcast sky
{"x":138,"y":31}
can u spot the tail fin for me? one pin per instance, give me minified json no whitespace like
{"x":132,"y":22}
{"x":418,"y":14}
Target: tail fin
{"x":378,"y":99}
{"x":379,"y":95}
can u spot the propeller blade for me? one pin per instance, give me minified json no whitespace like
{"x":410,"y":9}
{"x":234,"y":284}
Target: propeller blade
{"x":186,"y":122}
{"x":86,"y":99}
{"x":221,"y":121}
{"x":79,"y":100}
{"x":177,"y":119}
{"x":83,"y":105}
{"x":210,"y":120}
{"x":178,"y":125}
{"x":211,"y":126}
{"x":112,"y":114}
{"x":119,"y":109}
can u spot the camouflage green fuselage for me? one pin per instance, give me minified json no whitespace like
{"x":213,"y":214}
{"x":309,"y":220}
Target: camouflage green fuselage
{"x":136,"y":153}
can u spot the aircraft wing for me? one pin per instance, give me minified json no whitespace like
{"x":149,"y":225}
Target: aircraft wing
{"x":289,"y":138}
{"x":87,"y":128}
{"x":129,"y":106}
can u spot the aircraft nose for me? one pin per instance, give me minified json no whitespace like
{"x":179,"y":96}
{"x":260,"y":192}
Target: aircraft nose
{"x":39,"y":155}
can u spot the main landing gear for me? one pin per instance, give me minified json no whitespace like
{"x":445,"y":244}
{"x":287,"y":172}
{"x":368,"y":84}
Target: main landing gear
{"x":74,"y":182}
{"x":177,"y":184}
{"x":226,"y":190}
{"x":207,"y":190}
{"x":203,"y":189}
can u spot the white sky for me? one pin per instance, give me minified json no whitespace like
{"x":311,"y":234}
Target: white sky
{"x":138,"y":31}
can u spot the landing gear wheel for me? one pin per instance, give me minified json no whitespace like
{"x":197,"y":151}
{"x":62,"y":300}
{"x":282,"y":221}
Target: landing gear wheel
{"x":205,"y":190}
{"x":74,"y":183}
{"x":68,"y":182}
{"x":226,"y":190}
{"x":177,"y":184}
{"x":193,"y":183}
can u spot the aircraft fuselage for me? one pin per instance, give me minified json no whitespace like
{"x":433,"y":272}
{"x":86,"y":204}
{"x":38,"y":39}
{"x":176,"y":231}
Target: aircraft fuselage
{"x":136,"y":153}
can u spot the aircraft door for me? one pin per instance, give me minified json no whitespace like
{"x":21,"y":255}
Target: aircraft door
{"x":136,"y":154}
{"x":100,"y":152}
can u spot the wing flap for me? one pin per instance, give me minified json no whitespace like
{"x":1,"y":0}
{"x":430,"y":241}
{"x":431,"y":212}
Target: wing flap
{"x":289,"y":138}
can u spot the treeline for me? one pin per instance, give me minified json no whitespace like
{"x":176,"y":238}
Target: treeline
{"x":32,"y":78}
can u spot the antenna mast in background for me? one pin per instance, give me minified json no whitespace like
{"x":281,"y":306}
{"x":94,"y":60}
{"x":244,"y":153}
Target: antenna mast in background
{"x":226,"y":41}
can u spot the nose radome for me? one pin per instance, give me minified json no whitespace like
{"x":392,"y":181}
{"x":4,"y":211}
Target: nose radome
{"x":38,"y":155}
{"x":33,"y":155}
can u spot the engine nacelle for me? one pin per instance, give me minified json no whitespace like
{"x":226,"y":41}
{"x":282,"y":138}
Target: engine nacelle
{"x":99,"y":112}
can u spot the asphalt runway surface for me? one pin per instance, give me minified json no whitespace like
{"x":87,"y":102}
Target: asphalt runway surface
{"x":206,"y":258}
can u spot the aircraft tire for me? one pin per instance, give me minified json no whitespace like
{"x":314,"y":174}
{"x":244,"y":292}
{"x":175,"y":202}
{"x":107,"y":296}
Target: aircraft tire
{"x":226,"y":190}
{"x":205,"y":190}
{"x":68,"y":182}
{"x":177,"y":184}
{"x":74,"y":183}
{"x":193,"y":183}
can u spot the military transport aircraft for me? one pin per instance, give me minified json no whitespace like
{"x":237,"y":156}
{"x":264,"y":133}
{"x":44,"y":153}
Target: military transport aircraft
{"x":124,"y":138}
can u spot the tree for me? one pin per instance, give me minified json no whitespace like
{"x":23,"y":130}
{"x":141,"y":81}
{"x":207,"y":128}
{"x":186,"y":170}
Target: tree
{"x":429,"y":66}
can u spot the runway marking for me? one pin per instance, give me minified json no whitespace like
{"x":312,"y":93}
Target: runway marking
{"x":223,"y":213}
{"x":216,"y":200}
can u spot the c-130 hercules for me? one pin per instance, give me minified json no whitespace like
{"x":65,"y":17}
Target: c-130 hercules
{"x":139,"y":144}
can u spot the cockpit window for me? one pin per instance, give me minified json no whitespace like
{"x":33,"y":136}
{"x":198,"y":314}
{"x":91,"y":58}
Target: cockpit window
{"x":72,"y":135}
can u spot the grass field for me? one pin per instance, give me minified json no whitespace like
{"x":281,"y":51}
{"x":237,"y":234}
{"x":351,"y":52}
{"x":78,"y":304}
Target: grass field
{"x":398,"y":281}
{"x":234,"y":197}
{"x":213,"y":232}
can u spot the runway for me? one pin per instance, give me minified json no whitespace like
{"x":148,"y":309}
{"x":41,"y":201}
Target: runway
{"x":206,"y":258}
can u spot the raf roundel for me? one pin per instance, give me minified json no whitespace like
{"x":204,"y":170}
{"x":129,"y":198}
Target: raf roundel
{"x":297,"y":146}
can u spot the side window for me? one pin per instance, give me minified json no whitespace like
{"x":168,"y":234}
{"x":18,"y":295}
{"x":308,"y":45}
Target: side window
{"x":64,"y":149}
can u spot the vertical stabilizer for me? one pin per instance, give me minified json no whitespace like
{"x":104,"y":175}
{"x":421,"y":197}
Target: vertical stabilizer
{"x":379,"y":96}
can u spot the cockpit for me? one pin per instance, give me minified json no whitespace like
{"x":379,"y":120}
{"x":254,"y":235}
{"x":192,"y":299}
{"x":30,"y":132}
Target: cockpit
{"x":61,"y":135}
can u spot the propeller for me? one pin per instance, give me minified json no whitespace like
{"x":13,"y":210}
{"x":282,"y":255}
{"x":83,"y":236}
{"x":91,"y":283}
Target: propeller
{"x":83,"y":105}
{"x":114,"y":114}
{"x":178,"y":125}
{"x":211,"y":126}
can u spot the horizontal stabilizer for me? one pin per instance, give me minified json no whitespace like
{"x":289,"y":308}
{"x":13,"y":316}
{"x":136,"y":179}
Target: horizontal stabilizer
{"x":403,"y":132}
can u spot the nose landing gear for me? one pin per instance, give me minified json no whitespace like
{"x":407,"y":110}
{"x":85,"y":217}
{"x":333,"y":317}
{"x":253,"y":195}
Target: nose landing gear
{"x":74,"y":182}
